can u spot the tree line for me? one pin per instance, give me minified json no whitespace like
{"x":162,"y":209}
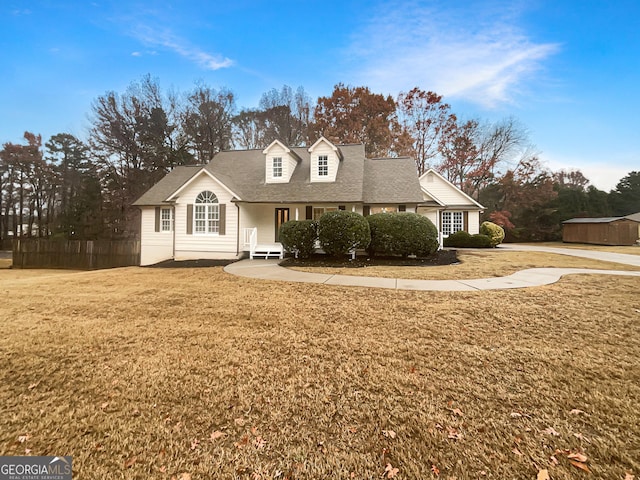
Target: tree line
{"x":83,"y":189}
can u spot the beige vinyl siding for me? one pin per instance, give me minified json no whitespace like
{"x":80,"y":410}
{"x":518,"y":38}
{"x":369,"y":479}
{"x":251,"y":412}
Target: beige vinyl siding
{"x":154,"y":246}
{"x":474,"y":222}
{"x":333,"y":163}
{"x":444,"y":192}
{"x":288,"y":165}
{"x":194,"y":245}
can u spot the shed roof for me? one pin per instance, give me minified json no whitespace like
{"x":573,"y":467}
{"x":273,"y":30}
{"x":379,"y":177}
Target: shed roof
{"x":601,"y":219}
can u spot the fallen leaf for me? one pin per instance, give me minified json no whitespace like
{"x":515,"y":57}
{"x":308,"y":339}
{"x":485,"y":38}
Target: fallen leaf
{"x":254,"y":431}
{"x":184,"y":476}
{"x":453,"y":434}
{"x":516,"y":451}
{"x":581,"y":437}
{"x":439,"y":427}
{"x":27,"y":451}
{"x":352,"y":429}
{"x":543,"y":475}
{"x":577,"y":456}
{"x":551,"y":431}
{"x":239,"y":421}
{"x":390,"y":471}
{"x":243,"y":442}
{"x":628,"y":476}
{"x":259,"y":443}
{"x":195,"y":444}
{"x":129,"y":463}
{"x":553,"y":460}
{"x":580,"y":465}
{"x":516,"y":415}
{"x":576,"y":411}
{"x":389,"y":433}
{"x":321,"y":447}
{"x":24,"y":438}
{"x":435,"y":470}
{"x":457,"y":411}
{"x":33,"y":385}
{"x":216,"y":435}
{"x":104,"y":405}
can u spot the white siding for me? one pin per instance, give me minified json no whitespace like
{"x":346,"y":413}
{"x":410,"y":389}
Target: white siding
{"x":154,"y":246}
{"x":288,"y":164}
{"x":443,"y":191}
{"x":323,"y":148}
{"x":197,"y":246}
{"x":474,"y":222}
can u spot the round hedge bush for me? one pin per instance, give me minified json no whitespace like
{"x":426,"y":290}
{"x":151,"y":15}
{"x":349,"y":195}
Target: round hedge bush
{"x":340,"y":232}
{"x":402,"y":234}
{"x":299,"y":237}
{"x":462,"y":239}
{"x":493,"y":231}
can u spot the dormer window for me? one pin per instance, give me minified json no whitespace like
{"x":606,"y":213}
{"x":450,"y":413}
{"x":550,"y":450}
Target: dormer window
{"x":323,"y":165}
{"x":277,"y":167}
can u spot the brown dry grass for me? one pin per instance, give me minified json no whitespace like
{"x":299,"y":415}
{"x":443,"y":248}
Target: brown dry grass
{"x":132,"y":370}
{"x":474,"y":264}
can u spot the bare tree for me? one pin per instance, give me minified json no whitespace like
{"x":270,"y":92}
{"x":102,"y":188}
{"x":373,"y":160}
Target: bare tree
{"x":208,"y":121}
{"x":423,"y":117}
{"x":472,"y":153}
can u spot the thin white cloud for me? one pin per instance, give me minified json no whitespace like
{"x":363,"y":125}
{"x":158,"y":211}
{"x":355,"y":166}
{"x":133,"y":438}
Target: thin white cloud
{"x":168,"y":40}
{"x":136,"y":54}
{"x":472,"y":54}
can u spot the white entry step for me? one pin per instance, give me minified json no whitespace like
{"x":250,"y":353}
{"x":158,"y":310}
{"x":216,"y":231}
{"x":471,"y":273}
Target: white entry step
{"x":271,"y":250}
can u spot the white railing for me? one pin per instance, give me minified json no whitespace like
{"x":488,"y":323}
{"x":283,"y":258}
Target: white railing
{"x":246,"y":237}
{"x":253,"y":241}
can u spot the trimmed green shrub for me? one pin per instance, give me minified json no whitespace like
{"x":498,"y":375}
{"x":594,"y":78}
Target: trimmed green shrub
{"x":299,"y":237}
{"x":462,"y":239}
{"x":340,"y":232}
{"x":402,"y":234}
{"x":493,"y":231}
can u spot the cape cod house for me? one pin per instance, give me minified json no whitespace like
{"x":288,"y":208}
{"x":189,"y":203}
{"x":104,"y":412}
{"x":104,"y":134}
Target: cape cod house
{"x":234,"y":205}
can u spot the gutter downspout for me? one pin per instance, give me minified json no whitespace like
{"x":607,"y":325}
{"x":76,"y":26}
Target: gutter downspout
{"x":238,"y":231}
{"x":173,"y":220}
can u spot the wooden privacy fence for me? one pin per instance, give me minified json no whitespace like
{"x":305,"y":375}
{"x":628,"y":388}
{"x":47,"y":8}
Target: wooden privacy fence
{"x":76,"y":254}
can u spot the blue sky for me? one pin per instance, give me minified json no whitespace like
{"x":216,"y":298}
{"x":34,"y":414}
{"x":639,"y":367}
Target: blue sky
{"x":568,"y":70}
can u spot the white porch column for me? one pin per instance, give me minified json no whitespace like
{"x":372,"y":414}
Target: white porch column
{"x":296,"y":213}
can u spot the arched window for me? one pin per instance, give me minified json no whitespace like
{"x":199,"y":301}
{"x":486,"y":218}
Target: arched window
{"x":206,"y":215}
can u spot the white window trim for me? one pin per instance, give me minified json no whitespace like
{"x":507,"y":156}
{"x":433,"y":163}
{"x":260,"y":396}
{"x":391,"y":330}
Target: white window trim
{"x":451,"y":220}
{"x":277,"y":168}
{"x":323,"y":165}
{"x":211,"y":213}
{"x":163,"y":225}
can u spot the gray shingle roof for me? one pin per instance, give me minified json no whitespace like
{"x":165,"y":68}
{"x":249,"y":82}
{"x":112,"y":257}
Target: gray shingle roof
{"x":359,"y":180}
{"x":391,"y":180}
{"x":171,"y":182}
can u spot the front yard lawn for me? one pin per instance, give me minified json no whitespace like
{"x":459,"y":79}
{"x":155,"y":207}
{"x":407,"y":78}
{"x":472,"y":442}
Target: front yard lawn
{"x":194,"y":373}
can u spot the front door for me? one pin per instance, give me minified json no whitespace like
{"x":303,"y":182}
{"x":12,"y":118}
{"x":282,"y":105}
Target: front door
{"x":282,"y":215}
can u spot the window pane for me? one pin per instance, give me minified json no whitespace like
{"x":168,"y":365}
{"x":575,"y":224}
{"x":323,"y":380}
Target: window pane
{"x":277,"y":167}
{"x":446,"y":223}
{"x":323,"y":165}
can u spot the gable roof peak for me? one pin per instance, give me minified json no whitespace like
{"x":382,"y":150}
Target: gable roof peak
{"x":333,"y":147}
{"x":273,"y":144}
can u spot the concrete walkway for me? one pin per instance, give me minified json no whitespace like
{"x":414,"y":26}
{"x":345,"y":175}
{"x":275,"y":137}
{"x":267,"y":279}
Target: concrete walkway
{"x":532,"y":277}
